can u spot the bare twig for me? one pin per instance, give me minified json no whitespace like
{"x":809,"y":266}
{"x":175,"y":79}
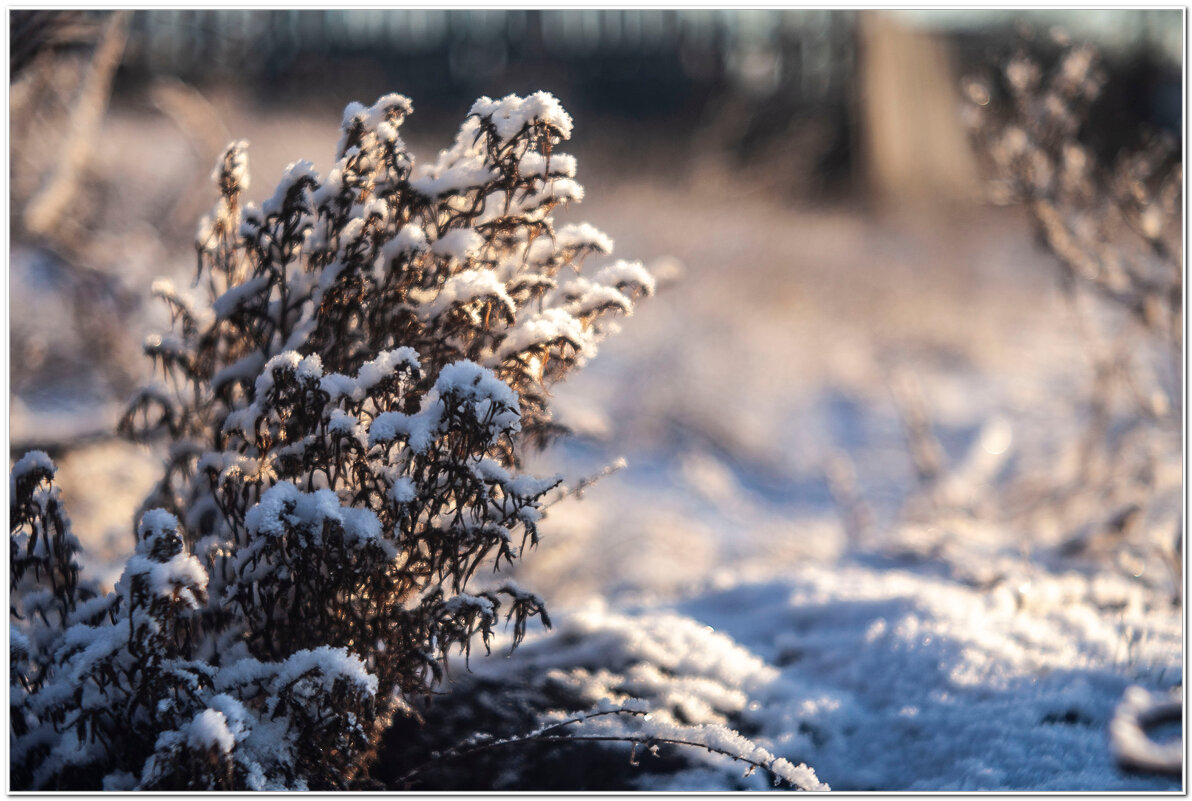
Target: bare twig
{"x":563,"y":492}
{"x":855,"y":514}
{"x":545,"y":735}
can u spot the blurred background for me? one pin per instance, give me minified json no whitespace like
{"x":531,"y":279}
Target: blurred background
{"x":841,"y":306}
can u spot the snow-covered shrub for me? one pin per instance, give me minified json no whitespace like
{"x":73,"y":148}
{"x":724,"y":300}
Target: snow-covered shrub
{"x":1107,"y":202}
{"x":344,"y":413}
{"x":1110,"y":213}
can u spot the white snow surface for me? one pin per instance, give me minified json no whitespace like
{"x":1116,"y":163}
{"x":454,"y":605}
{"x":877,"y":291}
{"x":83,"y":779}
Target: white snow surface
{"x":403,"y":490}
{"x":470,"y":381}
{"x":881,"y":678}
{"x":156,"y":522}
{"x":323,"y":665}
{"x":31,"y":461}
{"x":209,"y":729}
{"x":511,"y":113}
{"x":459,"y":244}
{"x":474,"y":389}
{"x":547,"y":327}
{"x":181,"y":575}
{"x":410,"y":239}
{"x":284,"y":505}
{"x":470,"y":285}
{"x":623,"y":273}
{"x":296,"y":171}
{"x":583,"y":235}
{"x":308,"y":367}
{"x":371,"y":373}
{"x":419,"y":430}
{"x":559,"y":165}
{"x":439,"y":181}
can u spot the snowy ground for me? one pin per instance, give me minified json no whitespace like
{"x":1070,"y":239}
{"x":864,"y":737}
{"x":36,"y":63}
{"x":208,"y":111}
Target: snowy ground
{"x":889,"y":678}
{"x":946,"y":647}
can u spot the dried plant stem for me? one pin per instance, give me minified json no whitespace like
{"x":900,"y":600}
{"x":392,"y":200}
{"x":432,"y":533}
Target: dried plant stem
{"x":545,"y":735}
{"x":47,"y":210}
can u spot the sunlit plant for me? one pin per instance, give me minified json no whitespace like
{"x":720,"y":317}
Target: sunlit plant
{"x":345,"y":408}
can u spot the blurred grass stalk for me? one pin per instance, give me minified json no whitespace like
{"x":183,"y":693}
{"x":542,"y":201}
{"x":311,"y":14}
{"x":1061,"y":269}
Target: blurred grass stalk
{"x":45,"y":215}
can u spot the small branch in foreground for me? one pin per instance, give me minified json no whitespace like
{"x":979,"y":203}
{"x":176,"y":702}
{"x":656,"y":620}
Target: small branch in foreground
{"x":544,"y":735}
{"x":582,"y":485}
